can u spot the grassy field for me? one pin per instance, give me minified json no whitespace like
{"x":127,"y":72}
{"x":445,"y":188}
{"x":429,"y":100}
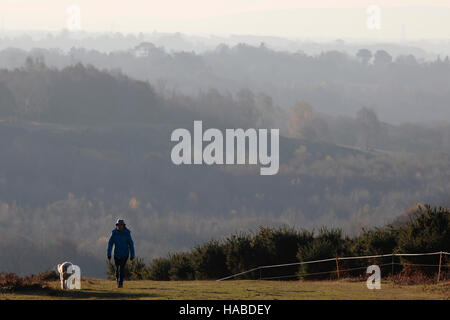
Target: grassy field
{"x":237,"y":290}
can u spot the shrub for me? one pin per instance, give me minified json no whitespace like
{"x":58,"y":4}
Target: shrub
{"x":328,"y":244}
{"x":159,"y":269}
{"x":181,"y":267}
{"x":239,"y":253}
{"x":209,"y":261}
{"x":11,"y":282}
{"x":111,"y":270}
{"x":49,"y":275}
{"x":376,"y":241}
{"x":134,"y":270}
{"x":427,"y":232}
{"x":278,"y":246}
{"x":411,"y":275}
{"x":137,"y":269}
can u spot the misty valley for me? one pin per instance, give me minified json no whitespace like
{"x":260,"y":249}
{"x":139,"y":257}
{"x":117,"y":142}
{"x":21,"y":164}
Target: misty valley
{"x":87,"y":136}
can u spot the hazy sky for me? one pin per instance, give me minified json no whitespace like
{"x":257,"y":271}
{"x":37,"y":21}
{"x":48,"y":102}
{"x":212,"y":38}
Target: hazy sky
{"x":407,"y":19}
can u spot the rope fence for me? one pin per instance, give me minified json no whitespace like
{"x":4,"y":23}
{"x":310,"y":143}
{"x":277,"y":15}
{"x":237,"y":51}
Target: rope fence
{"x":339,"y":271}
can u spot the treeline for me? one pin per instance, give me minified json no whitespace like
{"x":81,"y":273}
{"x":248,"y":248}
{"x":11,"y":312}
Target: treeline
{"x":79,"y":95}
{"x":427,"y":230}
{"x":84,"y":95}
{"x":399,"y":88}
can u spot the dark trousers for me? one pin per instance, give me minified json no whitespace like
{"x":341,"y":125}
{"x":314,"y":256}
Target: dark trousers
{"x":120,"y":268}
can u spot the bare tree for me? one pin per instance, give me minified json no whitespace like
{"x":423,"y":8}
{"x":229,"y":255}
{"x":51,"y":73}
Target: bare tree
{"x":369,"y":127}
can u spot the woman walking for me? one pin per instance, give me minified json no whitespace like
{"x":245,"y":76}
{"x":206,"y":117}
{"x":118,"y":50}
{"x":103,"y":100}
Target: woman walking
{"x":123,"y":248}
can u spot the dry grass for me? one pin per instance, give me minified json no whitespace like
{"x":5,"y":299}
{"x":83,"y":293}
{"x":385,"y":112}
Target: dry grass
{"x":10,"y":282}
{"x":237,"y":290}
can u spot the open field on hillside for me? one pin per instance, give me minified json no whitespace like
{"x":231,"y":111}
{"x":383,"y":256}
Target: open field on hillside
{"x":239,"y":289}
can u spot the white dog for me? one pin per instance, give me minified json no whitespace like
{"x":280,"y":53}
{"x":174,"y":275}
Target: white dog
{"x":63,"y":274}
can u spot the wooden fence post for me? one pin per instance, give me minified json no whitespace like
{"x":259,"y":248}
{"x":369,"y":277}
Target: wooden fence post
{"x":392,"y":263}
{"x":337,"y":268}
{"x":440,"y":264}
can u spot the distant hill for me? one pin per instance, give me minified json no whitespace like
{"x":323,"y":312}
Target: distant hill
{"x":81,"y":147}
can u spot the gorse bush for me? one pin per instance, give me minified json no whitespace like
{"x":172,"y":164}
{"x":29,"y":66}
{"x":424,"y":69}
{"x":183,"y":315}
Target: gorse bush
{"x":329,"y":243}
{"x":137,"y":270}
{"x":239,"y":253}
{"x":278,"y":246}
{"x":181,"y":267}
{"x":49,"y":275}
{"x":134,"y":270}
{"x":376,"y":241}
{"x":209,"y":261}
{"x":426,"y":231}
{"x":11,"y":282}
{"x":429,"y":231}
{"x":159,"y":269}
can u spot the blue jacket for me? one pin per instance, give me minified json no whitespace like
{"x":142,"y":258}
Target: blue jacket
{"x":123,"y":244}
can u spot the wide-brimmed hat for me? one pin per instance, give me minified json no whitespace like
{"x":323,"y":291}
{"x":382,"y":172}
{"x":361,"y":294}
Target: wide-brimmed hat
{"x":119,"y":222}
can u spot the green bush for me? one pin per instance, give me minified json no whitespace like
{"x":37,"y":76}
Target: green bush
{"x":240,"y":255}
{"x":376,"y":241}
{"x":278,"y":246}
{"x":181,"y":267}
{"x":329,"y":243}
{"x":209,"y":261}
{"x":427,"y":231}
{"x":159,"y":269}
{"x":137,"y":269}
{"x":49,"y":275}
{"x":134,"y":270}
